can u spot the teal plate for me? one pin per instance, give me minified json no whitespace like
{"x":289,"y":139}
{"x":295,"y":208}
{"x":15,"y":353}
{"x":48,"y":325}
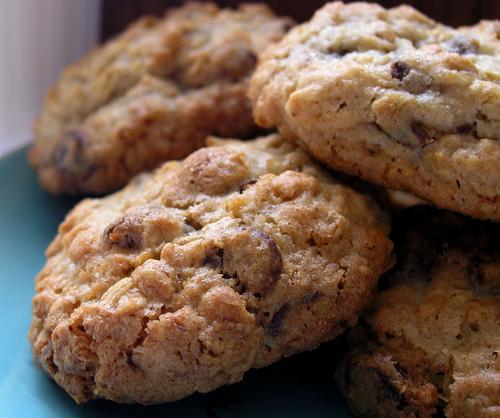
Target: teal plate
{"x":296,"y":387}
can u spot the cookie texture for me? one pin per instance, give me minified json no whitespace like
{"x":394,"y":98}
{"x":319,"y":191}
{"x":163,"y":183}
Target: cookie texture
{"x":393,"y":97}
{"x":239,"y":255}
{"x":430,"y":344}
{"x":152,"y":94}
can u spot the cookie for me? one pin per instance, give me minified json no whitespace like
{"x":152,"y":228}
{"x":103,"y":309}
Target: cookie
{"x":152,"y":94}
{"x":431,"y":342}
{"x":240,"y":255}
{"x":393,"y":97}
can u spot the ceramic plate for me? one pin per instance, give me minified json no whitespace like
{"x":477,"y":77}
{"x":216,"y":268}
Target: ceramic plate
{"x":301,"y":386}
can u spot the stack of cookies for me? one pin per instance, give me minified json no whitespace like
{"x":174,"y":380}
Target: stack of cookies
{"x":248,"y":251}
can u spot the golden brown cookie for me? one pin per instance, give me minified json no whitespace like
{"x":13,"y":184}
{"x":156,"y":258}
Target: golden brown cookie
{"x":151,"y":94}
{"x":431,"y":342}
{"x":232,"y":259}
{"x":393,"y":97}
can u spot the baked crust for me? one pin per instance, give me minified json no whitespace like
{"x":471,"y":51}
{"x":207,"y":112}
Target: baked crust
{"x":431,"y":341}
{"x":152,"y":94}
{"x":393,"y":97}
{"x":242,"y":254}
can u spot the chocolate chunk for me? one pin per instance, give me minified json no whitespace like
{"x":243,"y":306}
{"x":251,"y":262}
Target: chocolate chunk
{"x":399,"y":70}
{"x":420,"y":132}
{"x":125,"y":233}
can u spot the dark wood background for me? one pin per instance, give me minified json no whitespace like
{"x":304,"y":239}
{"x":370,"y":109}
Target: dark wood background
{"x":117,"y":14}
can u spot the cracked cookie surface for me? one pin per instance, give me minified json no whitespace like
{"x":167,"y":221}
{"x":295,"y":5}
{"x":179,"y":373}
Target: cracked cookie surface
{"x":393,"y":97}
{"x":239,"y":255}
{"x":431,"y":342}
{"x":151,"y":94}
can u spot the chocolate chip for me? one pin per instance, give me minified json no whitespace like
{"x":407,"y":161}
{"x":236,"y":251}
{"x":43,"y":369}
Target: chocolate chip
{"x":474,"y":326}
{"x":338,"y":53}
{"x":125,"y":233}
{"x":69,"y":159}
{"x":252,"y":258}
{"x":276,"y":323}
{"x":342,"y":106}
{"x":399,"y":70}
{"x":287,"y":25}
{"x":214,"y":258}
{"x":276,"y":260}
{"x":130,"y":360}
{"x":69,"y":150}
{"x":401,"y":370}
{"x":391,"y":391}
{"x":252,"y":58}
{"x":309,"y":299}
{"x":246,"y":185}
{"x":464,"y":129}
{"x":238,"y":63}
{"x":274,"y":326}
{"x":461,"y":45}
{"x":474,"y":270}
{"x":420,"y":132}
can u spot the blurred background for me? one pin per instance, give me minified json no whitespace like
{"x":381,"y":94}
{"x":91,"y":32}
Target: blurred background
{"x":40,"y":37}
{"x":118,"y":13}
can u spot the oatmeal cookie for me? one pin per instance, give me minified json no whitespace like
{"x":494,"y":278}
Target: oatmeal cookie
{"x":240,"y":255}
{"x":152,"y":94}
{"x":393,"y":97}
{"x":431,"y":342}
